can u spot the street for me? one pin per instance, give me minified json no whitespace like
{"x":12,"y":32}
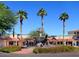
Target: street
{"x":67,"y":54}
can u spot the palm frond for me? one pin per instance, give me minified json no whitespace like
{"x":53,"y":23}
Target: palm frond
{"x":23,"y":14}
{"x":64,"y":16}
{"x":42,"y":12}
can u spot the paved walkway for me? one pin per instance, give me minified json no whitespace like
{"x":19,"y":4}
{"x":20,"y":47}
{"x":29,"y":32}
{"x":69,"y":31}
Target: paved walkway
{"x":25,"y":51}
{"x":66,"y":54}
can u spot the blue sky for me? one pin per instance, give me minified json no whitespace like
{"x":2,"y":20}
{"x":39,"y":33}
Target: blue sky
{"x":52,"y":25}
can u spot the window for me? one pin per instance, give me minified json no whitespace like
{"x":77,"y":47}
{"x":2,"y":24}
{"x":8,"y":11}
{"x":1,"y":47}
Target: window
{"x":51,"y":42}
{"x":61,"y":42}
{"x":77,"y":32}
{"x":57,"y":42}
{"x":11,"y":43}
{"x":74,"y":32}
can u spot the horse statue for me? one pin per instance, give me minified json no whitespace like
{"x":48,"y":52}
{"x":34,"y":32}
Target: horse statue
{"x":42,"y":41}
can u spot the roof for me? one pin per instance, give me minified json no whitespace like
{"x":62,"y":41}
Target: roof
{"x":60,"y":39}
{"x":1,"y":38}
{"x":13,"y":39}
{"x":51,"y":39}
{"x":9,"y":38}
{"x":74,"y":31}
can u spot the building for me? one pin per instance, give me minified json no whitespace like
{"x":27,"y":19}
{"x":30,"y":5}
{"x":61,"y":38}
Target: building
{"x":59,"y":40}
{"x":11,"y":40}
{"x":71,"y":39}
{"x":73,"y":32}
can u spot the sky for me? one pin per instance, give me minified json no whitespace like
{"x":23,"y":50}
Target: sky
{"x":52,"y":25}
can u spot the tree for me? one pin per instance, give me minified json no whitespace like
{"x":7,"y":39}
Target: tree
{"x":42,"y":13}
{"x":63,"y":17}
{"x":22,"y":15}
{"x":7,"y":19}
{"x":36,"y":33}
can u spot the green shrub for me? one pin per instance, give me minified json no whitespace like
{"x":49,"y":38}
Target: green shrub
{"x":36,"y":50}
{"x":68,"y":48}
{"x":10,"y":49}
{"x":55,"y":49}
{"x":44,"y":50}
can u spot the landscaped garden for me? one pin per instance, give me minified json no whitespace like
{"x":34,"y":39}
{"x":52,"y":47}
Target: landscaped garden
{"x":57,"y":49}
{"x":10,"y":49}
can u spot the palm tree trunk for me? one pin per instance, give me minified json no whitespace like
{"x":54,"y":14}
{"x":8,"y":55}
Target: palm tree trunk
{"x":42,"y":24}
{"x":20,"y":42}
{"x":21,"y":30}
{"x":64,"y":32}
{"x":13,"y":32}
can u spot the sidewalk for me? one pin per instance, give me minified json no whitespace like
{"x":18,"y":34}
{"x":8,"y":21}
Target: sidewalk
{"x":25,"y":51}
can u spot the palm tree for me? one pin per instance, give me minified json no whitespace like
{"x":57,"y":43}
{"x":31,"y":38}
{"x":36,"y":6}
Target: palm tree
{"x":22,"y":15}
{"x":42,"y":13}
{"x":63,"y":17}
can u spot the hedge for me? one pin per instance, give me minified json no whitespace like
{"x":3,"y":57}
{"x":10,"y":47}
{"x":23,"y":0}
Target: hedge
{"x":57,"y":49}
{"x":10,"y":49}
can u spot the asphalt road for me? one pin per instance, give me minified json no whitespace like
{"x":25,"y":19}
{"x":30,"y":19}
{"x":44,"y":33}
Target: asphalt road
{"x":72,"y":54}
